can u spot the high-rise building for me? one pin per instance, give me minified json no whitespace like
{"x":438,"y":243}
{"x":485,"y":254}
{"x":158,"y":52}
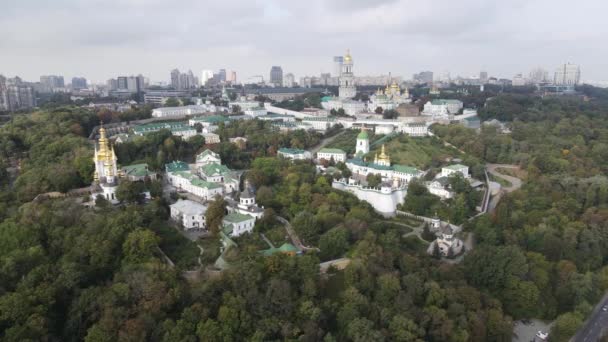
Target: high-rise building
{"x":175,"y":79}
{"x":112,"y":84}
{"x":539,"y":75}
{"x":519,"y":80}
{"x":347,"y":89}
{"x":122,"y":83}
{"x":79,"y":83}
{"x":14,"y":95}
{"x":206,"y":75}
{"x":276,"y":76}
{"x":232,"y":77}
{"x":222,"y":75}
{"x":288,"y":80}
{"x":51,"y":82}
{"x":567,"y":74}
{"x":338,"y":60}
{"x":424,"y":77}
{"x":483,"y":77}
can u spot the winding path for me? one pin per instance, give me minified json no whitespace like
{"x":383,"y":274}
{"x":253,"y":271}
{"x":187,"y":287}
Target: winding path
{"x":325,"y":142}
{"x":293,"y":236}
{"x":515,"y":182}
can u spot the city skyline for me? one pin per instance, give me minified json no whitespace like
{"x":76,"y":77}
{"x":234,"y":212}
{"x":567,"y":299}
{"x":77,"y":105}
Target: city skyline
{"x":394,"y":36}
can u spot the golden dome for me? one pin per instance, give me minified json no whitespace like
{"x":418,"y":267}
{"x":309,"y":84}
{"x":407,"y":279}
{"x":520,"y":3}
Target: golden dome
{"x":395,"y":85}
{"x":347,"y":57}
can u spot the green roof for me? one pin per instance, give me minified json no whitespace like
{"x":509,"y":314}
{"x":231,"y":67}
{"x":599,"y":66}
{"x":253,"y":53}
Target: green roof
{"x":406,"y":169}
{"x":137,"y":170}
{"x":326,"y":98}
{"x":455,"y":167}
{"x":291,"y":150}
{"x":235,"y":217}
{"x":206,"y":153}
{"x":331,"y":150}
{"x":363,"y":135}
{"x":155,"y":127}
{"x":211,"y":118}
{"x":177,"y":166}
{"x":285,"y":248}
{"x":204,"y":184}
{"x":213,"y":169}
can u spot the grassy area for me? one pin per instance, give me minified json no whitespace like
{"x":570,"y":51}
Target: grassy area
{"x":407,"y":220}
{"x":419,"y":152}
{"x":183,"y":252}
{"x":348,"y":140}
{"x":211,"y":247}
{"x":384,"y":226}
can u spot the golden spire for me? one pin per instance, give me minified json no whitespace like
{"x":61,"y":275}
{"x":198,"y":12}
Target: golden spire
{"x":384,"y":157}
{"x":347,"y":57}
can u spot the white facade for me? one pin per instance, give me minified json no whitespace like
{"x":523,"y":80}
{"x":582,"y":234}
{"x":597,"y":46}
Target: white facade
{"x":255,"y":112}
{"x":239,"y":223}
{"x":384,"y":129}
{"x":189,"y":214}
{"x":383,"y":200}
{"x":415,"y":129}
{"x":438,"y":188}
{"x":185,"y":133}
{"x":294,"y":154}
{"x":211,"y":138}
{"x":329,"y":153}
{"x":244,"y":104}
{"x":321,"y":124}
{"x":164,"y":112}
{"x":442,"y":107}
{"x":453,"y":169}
{"x":207,"y":157}
{"x":188,"y":182}
{"x":362,"y":143}
{"x":347,"y":89}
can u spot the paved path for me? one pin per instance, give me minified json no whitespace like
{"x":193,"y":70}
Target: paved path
{"x":515,"y":182}
{"x":293,"y":236}
{"x":339,"y":264}
{"x":595,"y":326}
{"x":325,"y":142}
{"x":266,"y":240}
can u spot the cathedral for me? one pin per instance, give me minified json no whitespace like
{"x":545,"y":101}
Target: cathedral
{"x":346,"y":92}
{"x":106,"y":170}
{"x":389,"y":98}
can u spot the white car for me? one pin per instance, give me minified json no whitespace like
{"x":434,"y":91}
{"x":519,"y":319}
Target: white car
{"x":605,"y":308}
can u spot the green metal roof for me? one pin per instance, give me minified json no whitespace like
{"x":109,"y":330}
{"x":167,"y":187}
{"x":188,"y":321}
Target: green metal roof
{"x":177,"y":166}
{"x":206,"y":153}
{"x":406,"y":169}
{"x":363,"y":135}
{"x":155,"y":127}
{"x":331,"y":150}
{"x":211,"y":119}
{"x":291,"y":150}
{"x":214,"y":169}
{"x":235,"y":217}
{"x":285,"y":248}
{"x":137,"y":170}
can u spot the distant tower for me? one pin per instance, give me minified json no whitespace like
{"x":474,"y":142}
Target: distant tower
{"x":362,"y":143}
{"x":347,"y":79}
{"x":106,"y":173}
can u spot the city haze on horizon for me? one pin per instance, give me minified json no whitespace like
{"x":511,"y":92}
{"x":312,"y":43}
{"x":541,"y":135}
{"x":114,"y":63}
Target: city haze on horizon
{"x":99,"y":40}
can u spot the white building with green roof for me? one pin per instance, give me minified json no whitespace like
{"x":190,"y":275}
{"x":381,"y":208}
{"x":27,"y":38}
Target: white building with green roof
{"x":137,"y":172}
{"x":189,"y":214}
{"x":442,"y":107}
{"x":362,"y":143}
{"x":220,"y":174}
{"x":236,"y":224}
{"x":449,"y":170}
{"x":294,"y":154}
{"x":207,"y":157}
{"x":320,"y":123}
{"x":176,"y":128}
{"x":328,"y":154}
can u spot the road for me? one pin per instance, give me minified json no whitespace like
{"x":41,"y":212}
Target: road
{"x":515,"y":182}
{"x":293,"y":236}
{"x":325,"y":142}
{"x":596,"y":324}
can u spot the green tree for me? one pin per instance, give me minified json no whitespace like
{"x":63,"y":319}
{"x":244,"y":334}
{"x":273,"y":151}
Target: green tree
{"x":172,"y":102}
{"x":215,"y":215}
{"x":140,"y":246}
{"x":373,"y":180}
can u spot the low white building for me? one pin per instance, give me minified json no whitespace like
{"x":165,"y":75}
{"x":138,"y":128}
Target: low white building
{"x":294,"y":154}
{"x":164,"y":112}
{"x":384,"y":199}
{"x":415,"y":129}
{"x":236,"y":224}
{"x":320,"y":123}
{"x":453,"y":169}
{"x":350,"y":107}
{"x":180,"y":176}
{"x":244,"y":104}
{"x":337,"y":154}
{"x":247,"y":204}
{"x":440,"y":187}
{"x":211,"y":138}
{"x":255,"y":112}
{"x":207,"y":157}
{"x":442,"y":107}
{"x":384,"y":129}
{"x":189,"y":214}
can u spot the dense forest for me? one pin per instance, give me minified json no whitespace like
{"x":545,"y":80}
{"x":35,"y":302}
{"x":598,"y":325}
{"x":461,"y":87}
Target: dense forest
{"x":68,"y":273}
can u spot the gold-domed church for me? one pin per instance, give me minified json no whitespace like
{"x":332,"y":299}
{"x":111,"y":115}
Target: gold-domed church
{"x":390,"y":98}
{"x":106,"y":169}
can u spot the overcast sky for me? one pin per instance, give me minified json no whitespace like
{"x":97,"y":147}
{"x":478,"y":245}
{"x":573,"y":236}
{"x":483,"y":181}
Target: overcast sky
{"x":100,"y":39}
